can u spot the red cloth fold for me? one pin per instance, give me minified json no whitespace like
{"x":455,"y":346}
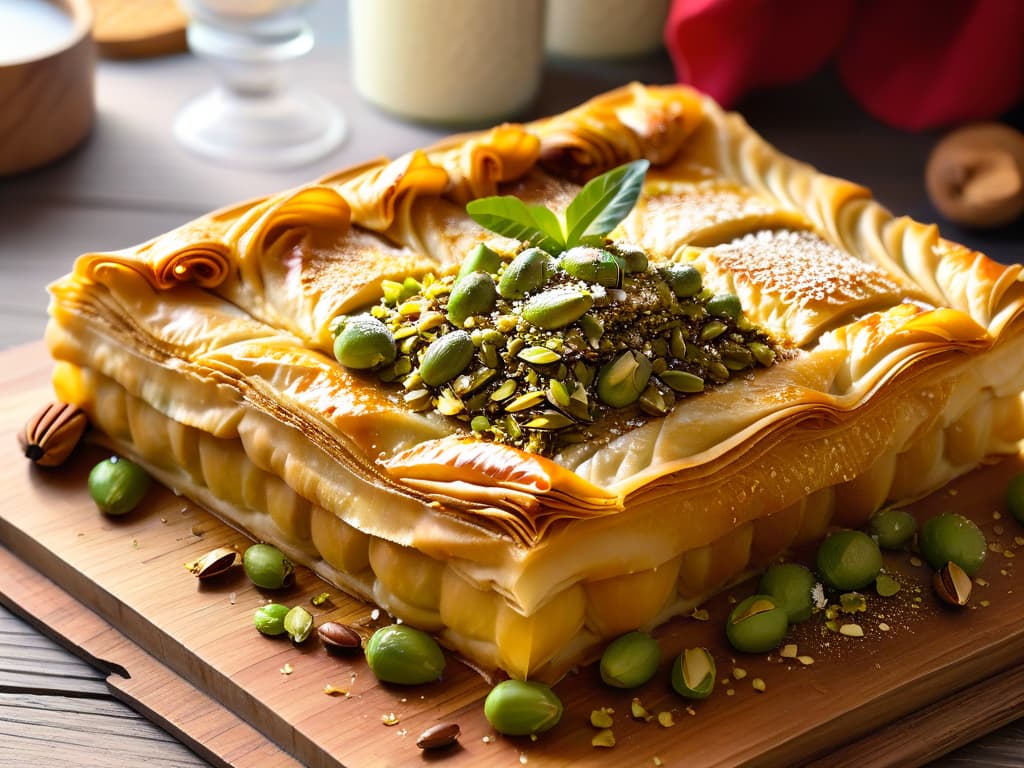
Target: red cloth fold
{"x":913,"y":64}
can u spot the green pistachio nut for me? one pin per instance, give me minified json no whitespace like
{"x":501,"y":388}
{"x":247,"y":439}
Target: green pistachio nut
{"x":473,"y":294}
{"x":792,"y":586}
{"x":527,"y":272}
{"x":693,"y":673}
{"x":892,"y":528}
{"x":269,"y":618}
{"x":364,"y":342}
{"x":756,"y":625}
{"x":117,"y":485}
{"x":593,"y":265}
{"x":556,"y":308}
{"x":400,"y":654}
{"x":446,"y":357}
{"x":682,"y":381}
{"x":633,"y":259}
{"x":952,"y":538}
{"x":518,"y":708}
{"x":1015,"y":497}
{"x":298,"y":623}
{"x":267,"y":567}
{"x":623,"y":380}
{"x":849,"y":560}
{"x":725,"y":305}
{"x":480,"y":259}
{"x":630,"y":661}
{"x":684,"y":280}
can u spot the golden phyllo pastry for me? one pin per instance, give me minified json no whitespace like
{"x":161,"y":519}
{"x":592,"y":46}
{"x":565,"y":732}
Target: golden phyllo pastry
{"x":545,"y":384}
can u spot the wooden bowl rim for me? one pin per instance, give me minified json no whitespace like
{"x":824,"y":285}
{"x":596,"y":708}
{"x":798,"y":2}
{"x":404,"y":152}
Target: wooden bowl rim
{"x":80,"y":12}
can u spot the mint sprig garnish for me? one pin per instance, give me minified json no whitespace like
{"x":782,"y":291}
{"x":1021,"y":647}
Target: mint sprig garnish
{"x":595,"y":211}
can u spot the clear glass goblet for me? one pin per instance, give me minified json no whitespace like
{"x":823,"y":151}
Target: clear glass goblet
{"x":254,"y":118}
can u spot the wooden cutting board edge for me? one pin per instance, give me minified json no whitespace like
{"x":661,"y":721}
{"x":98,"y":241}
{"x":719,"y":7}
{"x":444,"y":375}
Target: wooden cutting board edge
{"x":134,"y":676}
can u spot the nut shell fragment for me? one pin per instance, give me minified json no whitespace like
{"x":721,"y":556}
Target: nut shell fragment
{"x":50,"y":436}
{"x":952,"y":584}
{"x":213,"y":563}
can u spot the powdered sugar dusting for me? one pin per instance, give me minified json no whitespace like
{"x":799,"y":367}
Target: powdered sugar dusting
{"x":801,"y":268}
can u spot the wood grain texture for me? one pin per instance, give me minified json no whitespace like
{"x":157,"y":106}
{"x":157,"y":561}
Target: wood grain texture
{"x":130,"y":571}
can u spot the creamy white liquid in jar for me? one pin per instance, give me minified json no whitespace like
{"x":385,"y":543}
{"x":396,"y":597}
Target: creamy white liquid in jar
{"x":604,"y":29}
{"x":450,"y":62}
{"x":32,"y":29}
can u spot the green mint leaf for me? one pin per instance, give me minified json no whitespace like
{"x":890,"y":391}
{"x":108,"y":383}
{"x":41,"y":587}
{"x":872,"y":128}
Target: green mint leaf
{"x":603,"y":202}
{"x":511,"y":217}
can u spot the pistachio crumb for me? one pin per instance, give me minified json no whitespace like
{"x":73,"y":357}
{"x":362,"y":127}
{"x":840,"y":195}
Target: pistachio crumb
{"x":601,"y":718}
{"x":997,"y":516}
{"x":758,"y":685}
{"x":981,"y":582}
{"x":1009,"y":553}
{"x":805,"y":660}
{"x":287,"y":669}
{"x":789,"y":651}
{"x":163,"y":520}
{"x":389,"y":719}
{"x":665,"y":719}
{"x":700,"y":614}
{"x":639,"y":712}
{"x":738,"y":673}
{"x":333,"y":690}
{"x":884,"y":627}
{"x":1019,"y":541}
{"x":691,"y":711}
{"x":851,"y":630}
{"x":320,"y":599}
{"x":603,"y":738}
{"x":984,"y":603}
{"x":730,"y":692}
{"x":915,"y":561}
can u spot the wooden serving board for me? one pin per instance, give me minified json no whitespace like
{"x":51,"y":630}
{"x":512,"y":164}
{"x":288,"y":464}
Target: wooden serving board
{"x":945,"y":674}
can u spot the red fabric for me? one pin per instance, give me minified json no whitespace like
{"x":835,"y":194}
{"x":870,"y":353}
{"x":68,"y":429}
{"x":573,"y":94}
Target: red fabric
{"x":913,"y":64}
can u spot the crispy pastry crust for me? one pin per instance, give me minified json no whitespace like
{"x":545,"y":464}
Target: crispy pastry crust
{"x":208,"y":351}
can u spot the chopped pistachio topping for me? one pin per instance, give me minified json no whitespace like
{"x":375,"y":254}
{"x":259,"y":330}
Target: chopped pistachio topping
{"x":539,"y":369}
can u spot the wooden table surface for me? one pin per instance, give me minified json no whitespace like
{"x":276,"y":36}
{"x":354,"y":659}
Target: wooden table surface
{"x":130,"y":181}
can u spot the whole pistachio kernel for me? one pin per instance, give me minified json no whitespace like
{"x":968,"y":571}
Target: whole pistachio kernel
{"x":594,"y":265}
{"x":401,"y":654}
{"x":480,"y":259}
{"x":684,"y":280}
{"x":892,"y":528}
{"x":725,"y":305}
{"x":364,"y":342}
{"x":267,"y":567}
{"x":792,"y":585}
{"x":693,"y":673}
{"x":472,"y":294}
{"x":630,"y":660}
{"x":298,"y":623}
{"x":634,"y":260}
{"x":556,"y":308}
{"x":952,"y":538}
{"x":522,"y":708}
{"x":269,"y":618}
{"x":446,"y":357}
{"x":1015,"y":497}
{"x":623,"y":380}
{"x":118,"y":485}
{"x":527,"y":272}
{"x":848,"y":560}
{"x":756,"y":625}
